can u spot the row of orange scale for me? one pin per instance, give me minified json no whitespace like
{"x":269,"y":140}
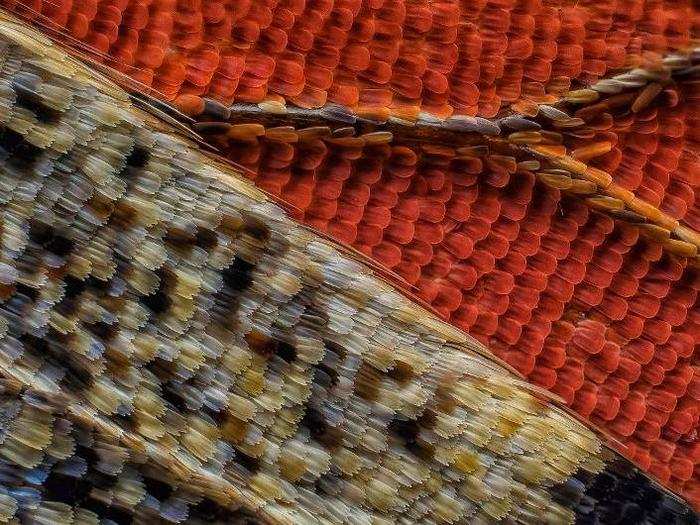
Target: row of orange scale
{"x":379,"y":57}
{"x":575,"y":300}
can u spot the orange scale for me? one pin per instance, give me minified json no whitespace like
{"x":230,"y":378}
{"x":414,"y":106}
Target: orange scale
{"x":513,"y":211}
{"x":135,"y":17}
{"x":677,"y":381}
{"x":613,"y":307}
{"x":99,"y":41}
{"x":476,"y":229}
{"x":560,"y":289}
{"x":498,"y":283}
{"x":594,"y":68}
{"x":646,"y":306}
{"x":630,"y":327}
{"x":554,"y":355}
{"x":623,"y":426}
{"x":432,"y":210}
{"x":523,"y":363}
{"x":629,"y":370}
{"x":637,"y":268}
{"x":272,"y":40}
{"x":641,"y":350}
{"x":527,"y":244}
{"x":514,"y":263}
{"x":384,"y":196}
{"x":571,"y":271}
{"x":322,"y":208}
{"x":557,"y":247}
{"x":661,"y":400}
{"x":349,"y":213}
{"x":496,"y":244}
{"x":571,"y":374}
{"x":617,"y":387}
{"x":428,"y":232}
{"x":533,"y":336}
{"x":550,"y":307}
{"x":407,"y":208}
{"x":459,"y":244}
{"x":675,"y":206}
{"x":608,"y":358}
{"x":599,"y":278}
{"x":681,"y":468}
{"x":400,"y":231}
{"x":344,"y":232}
{"x":486,"y":208}
{"x":653,"y":374}
{"x":524,"y":296}
{"x":545,"y":377}
{"x":440,"y":265}
{"x":356,"y":194}
{"x":682,"y":344}
{"x":78,"y":25}
{"x":486,"y":324}
{"x":370,"y":235}
{"x":448,"y":299}
{"x":509,"y":330}
{"x":533,"y":279}
{"x":462,"y":275}
{"x":409,"y":271}
{"x":482,"y":261}
{"x":518,"y":312}
{"x":585,"y":399}
{"x":330,"y":189}
{"x":592,"y":371}
{"x":582,"y":252}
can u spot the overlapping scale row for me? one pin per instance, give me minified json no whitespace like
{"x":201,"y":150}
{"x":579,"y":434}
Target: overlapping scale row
{"x":379,"y":57}
{"x":173,"y":347}
{"x":582,"y":296}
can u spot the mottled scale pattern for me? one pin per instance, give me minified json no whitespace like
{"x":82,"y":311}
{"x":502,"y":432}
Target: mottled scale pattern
{"x":174,"y":348}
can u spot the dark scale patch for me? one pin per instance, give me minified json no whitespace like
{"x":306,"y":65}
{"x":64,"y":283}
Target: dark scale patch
{"x":104,"y":331}
{"x":401,"y":372}
{"x":250,"y":463}
{"x":170,"y":395}
{"x":53,"y":349}
{"x":334,"y":347}
{"x":21,"y":153}
{"x":27,"y":291}
{"x":257,"y":229}
{"x":239,"y":275}
{"x":367,"y":382}
{"x":620,"y":495}
{"x":324,"y":376}
{"x":74,"y":286}
{"x":31,"y":100}
{"x":315,"y":422}
{"x":180,"y":239}
{"x":159,"y":302}
{"x":60,"y":245}
{"x":286,"y":351}
{"x":406,"y":429}
{"x":66,"y":489}
{"x":40,"y":233}
{"x":268,"y":346}
{"x":206,"y":239}
{"x":138,"y":157}
{"x":117,"y":515}
{"x":157,"y":488}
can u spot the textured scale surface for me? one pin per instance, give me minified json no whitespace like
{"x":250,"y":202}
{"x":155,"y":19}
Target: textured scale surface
{"x":355,"y":115}
{"x":175,"y":347}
